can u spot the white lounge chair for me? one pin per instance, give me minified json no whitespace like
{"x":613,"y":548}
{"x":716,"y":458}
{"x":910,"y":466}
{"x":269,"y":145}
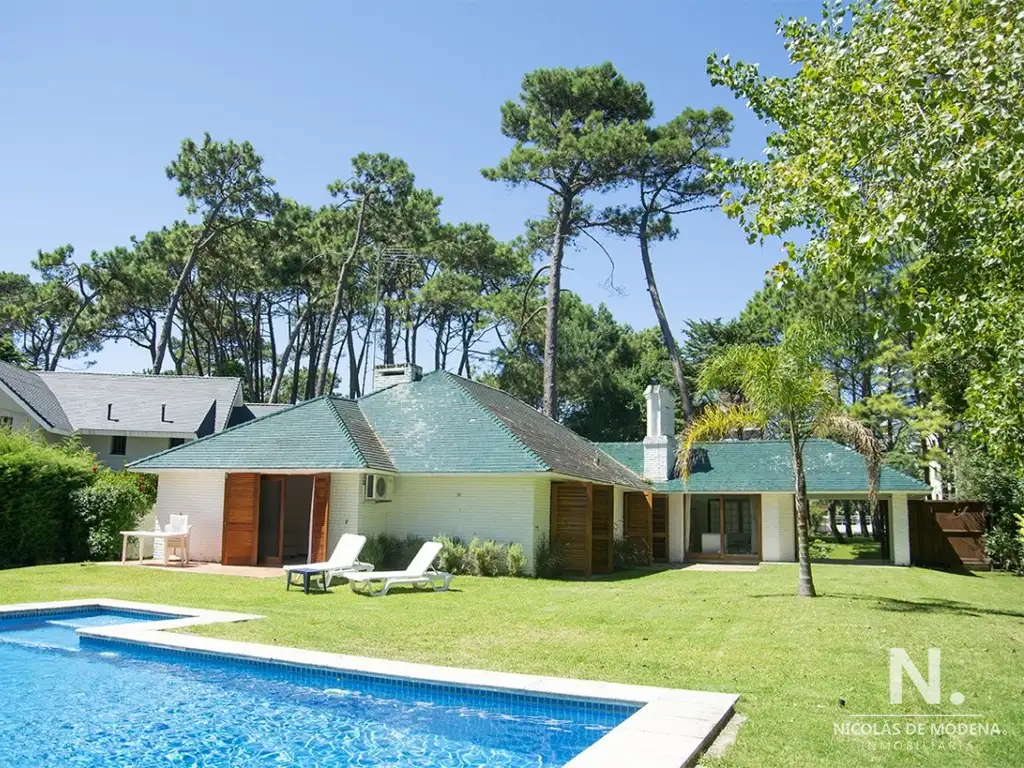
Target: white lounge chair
{"x":344,"y":560}
{"x":418,"y":572}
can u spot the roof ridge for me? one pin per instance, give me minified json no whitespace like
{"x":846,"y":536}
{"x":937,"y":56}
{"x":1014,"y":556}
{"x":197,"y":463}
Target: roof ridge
{"x":457,"y":380}
{"x":287,"y":409}
{"x":883,"y":467}
{"x":131,"y":375}
{"x":348,"y":432}
{"x":631,"y":471}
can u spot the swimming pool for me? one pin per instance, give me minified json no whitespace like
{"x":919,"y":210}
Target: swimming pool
{"x":69,"y":700}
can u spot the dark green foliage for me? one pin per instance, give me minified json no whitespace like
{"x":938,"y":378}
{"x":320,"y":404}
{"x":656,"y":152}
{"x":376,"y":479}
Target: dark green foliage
{"x":603,"y":368}
{"x":549,"y":557}
{"x":998,"y":484}
{"x":37,"y":484}
{"x":390,"y":553}
{"x":116,"y":502}
{"x":631,"y":553}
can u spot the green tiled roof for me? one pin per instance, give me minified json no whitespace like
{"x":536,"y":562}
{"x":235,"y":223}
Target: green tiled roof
{"x":559,"y":448}
{"x":325,"y":433}
{"x":441,"y":424}
{"x":767,"y":466}
{"x":434,"y":425}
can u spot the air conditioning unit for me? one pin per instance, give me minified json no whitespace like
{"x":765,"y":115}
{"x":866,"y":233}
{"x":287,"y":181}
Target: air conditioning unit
{"x":378,"y":487}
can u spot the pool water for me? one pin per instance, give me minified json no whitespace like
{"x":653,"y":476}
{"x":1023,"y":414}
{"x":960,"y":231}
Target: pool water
{"x":66,"y":701}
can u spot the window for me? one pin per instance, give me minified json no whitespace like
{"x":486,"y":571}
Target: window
{"x":176,"y":441}
{"x":118,"y":445}
{"x":6,"y":422}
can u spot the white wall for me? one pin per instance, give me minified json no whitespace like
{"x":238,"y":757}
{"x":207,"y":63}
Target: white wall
{"x":676,"y":527}
{"x":506,"y":509}
{"x":900,"y":529}
{"x":10,"y":407}
{"x":200,"y":495}
{"x":135,"y":448}
{"x":778,"y":527}
{"x":345,"y":506}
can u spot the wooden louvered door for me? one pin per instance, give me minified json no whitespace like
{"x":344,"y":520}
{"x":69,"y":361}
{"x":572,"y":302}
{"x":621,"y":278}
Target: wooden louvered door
{"x":638,"y":520}
{"x":318,"y":518}
{"x":241,"y":518}
{"x":571,"y":524}
{"x":602,"y":538}
{"x":659,"y":528}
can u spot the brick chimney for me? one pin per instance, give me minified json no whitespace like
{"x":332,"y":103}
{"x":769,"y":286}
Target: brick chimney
{"x":400,"y":373}
{"x":660,"y":443}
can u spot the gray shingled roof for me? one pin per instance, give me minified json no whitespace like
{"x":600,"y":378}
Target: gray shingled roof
{"x":324,"y":433}
{"x":137,"y":401}
{"x":29,"y":387}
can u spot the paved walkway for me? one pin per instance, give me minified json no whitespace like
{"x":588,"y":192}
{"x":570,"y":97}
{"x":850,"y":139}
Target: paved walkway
{"x":250,"y":571}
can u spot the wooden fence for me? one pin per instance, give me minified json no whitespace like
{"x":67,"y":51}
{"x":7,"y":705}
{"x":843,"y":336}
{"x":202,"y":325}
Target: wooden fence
{"x":948,"y":534}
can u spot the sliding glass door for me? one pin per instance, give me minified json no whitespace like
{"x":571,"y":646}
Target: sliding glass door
{"x":724,"y":527}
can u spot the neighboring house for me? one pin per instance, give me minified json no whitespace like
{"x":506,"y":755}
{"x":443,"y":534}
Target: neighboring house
{"x":439,"y":454}
{"x":121,"y":417}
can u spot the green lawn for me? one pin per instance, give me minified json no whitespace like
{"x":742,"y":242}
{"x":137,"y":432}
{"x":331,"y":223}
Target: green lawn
{"x":853,"y":548}
{"x":790,"y":660}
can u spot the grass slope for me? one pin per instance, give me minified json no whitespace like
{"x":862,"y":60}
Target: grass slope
{"x":743,"y":632}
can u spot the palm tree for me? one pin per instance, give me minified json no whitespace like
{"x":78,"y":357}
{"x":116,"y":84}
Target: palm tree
{"x":787,"y":393}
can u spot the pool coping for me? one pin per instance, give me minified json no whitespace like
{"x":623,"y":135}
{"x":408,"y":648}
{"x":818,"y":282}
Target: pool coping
{"x":671,"y":728}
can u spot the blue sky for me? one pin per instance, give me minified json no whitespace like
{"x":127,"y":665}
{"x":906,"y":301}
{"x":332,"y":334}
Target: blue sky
{"x":97,"y":97}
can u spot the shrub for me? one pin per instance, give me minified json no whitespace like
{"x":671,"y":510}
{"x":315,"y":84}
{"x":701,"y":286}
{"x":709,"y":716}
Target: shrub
{"x":116,"y":502}
{"x":632,"y":553}
{"x":516,"y":558}
{"x":819,"y":549}
{"x":549,"y":558}
{"x":1005,"y":549}
{"x":488,"y":558}
{"x":37,"y":482}
{"x":454,"y":556}
{"x":405,"y":552}
{"x":381,"y":549}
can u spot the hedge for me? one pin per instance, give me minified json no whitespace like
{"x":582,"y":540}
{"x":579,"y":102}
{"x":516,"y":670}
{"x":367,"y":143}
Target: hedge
{"x":58,"y":505}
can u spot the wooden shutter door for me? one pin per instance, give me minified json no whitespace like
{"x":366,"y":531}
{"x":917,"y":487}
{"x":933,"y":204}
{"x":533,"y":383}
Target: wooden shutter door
{"x":318,"y":517}
{"x":241,"y":518}
{"x":602,"y":538}
{"x":638,"y":520}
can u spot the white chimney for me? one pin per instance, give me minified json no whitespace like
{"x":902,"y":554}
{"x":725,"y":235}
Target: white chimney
{"x":660,"y":443}
{"x":401,"y":373}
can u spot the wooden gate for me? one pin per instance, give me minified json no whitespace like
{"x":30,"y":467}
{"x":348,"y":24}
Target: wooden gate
{"x":947,"y":534}
{"x":241,"y":518}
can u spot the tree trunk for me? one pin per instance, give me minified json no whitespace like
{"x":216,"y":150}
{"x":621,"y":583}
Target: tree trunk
{"x":805,"y":584}
{"x":666,"y":329}
{"x":551,"y":321}
{"x":70,"y":329}
{"x":172,"y":307}
{"x":282,"y":365}
{"x":848,"y":518}
{"x":833,"y":523}
{"x":339,"y":289}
